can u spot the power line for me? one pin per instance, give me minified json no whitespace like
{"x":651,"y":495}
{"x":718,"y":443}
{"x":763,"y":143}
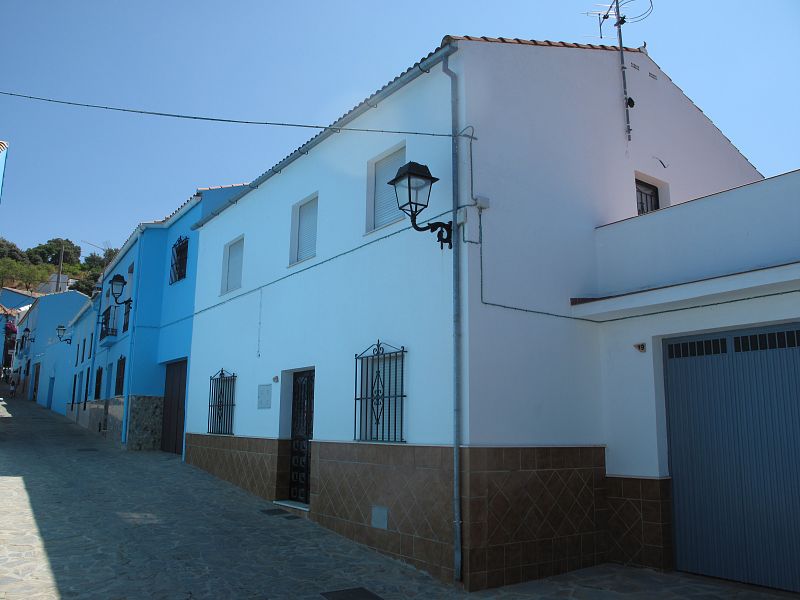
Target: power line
{"x":154,"y":113}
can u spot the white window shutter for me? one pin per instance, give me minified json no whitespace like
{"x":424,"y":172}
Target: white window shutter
{"x":385,"y":202}
{"x":235,"y":255}
{"x":307,"y":230}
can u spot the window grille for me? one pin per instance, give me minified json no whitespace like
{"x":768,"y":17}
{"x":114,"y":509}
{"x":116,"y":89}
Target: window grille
{"x":126,"y":317}
{"x":221,"y":402}
{"x":86,"y":391}
{"x":91,"y":345}
{"x":120,"y":382}
{"x":74,"y":385}
{"x":180,"y":255}
{"x":380,"y":394}
{"x":384,"y":201}
{"x":646,"y":197}
{"x":108,"y":322}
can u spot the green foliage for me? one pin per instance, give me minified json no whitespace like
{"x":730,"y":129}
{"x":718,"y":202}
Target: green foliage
{"x":11,"y":250}
{"x":9,"y":270}
{"x":30,"y":275}
{"x":50,"y":252}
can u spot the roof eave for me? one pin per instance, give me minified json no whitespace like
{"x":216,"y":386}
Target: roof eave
{"x":419,"y":68}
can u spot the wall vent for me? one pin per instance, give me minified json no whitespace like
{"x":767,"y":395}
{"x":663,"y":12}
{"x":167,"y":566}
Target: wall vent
{"x":653,"y":76}
{"x":767,"y":341}
{"x":697,"y":348}
{"x":635,"y":66}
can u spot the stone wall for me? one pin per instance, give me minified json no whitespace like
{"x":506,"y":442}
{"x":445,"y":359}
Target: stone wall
{"x":640,"y":522}
{"x":116,"y":411}
{"x":145,"y":416}
{"x":258,"y":465}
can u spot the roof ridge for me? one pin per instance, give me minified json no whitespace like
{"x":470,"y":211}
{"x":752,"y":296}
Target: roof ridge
{"x":546,"y":43}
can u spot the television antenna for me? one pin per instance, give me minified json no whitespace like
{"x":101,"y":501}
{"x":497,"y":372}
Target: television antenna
{"x":614,"y":10}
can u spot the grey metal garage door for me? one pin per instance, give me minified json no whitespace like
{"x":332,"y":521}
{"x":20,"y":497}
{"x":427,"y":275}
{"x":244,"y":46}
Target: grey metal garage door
{"x":733,"y":410}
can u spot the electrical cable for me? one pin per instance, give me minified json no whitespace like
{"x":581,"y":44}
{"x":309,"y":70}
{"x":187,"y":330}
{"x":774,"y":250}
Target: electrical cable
{"x":153,"y":113}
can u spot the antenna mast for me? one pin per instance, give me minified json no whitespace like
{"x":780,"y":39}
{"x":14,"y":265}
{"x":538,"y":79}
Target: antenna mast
{"x":628,"y":100}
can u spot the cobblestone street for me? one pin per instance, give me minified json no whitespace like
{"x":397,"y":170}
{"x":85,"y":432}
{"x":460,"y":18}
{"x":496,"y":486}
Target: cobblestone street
{"x":82,"y":519}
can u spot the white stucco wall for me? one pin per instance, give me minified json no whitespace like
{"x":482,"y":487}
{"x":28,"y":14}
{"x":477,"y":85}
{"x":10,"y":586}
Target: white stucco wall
{"x":321,"y":312}
{"x":553,"y":160}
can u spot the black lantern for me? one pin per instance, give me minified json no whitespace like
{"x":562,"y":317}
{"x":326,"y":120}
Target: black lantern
{"x":60,"y":331}
{"x":117,"y":285}
{"x":26,"y":336}
{"x":412,"y":186}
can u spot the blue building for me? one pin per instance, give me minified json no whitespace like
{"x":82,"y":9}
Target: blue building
{"x":130,"y":383}
{"x":39,"y":358}
{"x":11,"y":301}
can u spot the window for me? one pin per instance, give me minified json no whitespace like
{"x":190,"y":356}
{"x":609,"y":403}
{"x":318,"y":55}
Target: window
{"x":232,"y":265}
{"x":98,"y":382}
{"x":380,"y":394}
{"x":126,"y":317}
{"x":74,"y":384}
{"x":120,"y":383}
{"x":304,"y":230}
{"x":221,"y":402}
{"x":77,"y":353}
{"x":382,"y":209}
{"x":86,"y":391}
{"x":108,"y":322}
{"x":91,"y":345}
{"x":83,"y":350}
{"x":180,"y":254}
{"x":646,"y":197}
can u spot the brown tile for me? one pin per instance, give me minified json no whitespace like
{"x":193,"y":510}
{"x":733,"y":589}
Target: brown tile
{"x":631,"y":488}
{"x":427,"y":457}
{"x":495,"y":578}
{"x":530,"y":572}
{"x":475,"y":534}
{"x":512,"y":575}
{"x":495,"y":558}
{"x":494,"y":459}
{"x":528,"y":459}
{"x":572,"y":458}
{"x":558,"y":457}
{"x":513,"y":555}
{"x":587,"y":456}
{"x":511,"y":459}
{"x":614,"y":487}
{"x":428,"y":551}
{"x":474,"y":582}
{"x":475,"y":559}
{"x":478,"y":484}
{"x":543,"y":459}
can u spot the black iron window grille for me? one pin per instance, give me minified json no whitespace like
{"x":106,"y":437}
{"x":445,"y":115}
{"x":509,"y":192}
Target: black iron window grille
{"x":646,"y":197}
{"x":108,"y":322}
{"x":98,"y":382}
{"x":126,"y":317}
{"x":180,"y":255}
{"x":221,"y":402}
{"x":380,"y":394}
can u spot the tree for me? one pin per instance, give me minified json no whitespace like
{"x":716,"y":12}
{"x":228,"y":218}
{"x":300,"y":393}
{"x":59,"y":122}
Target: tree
{"x":50,"y":252}
{"x":30,"y":275}
{"x":85,"y":284}
{"x":93,"y":262}
{"x":9,"y":270}
{"x":11,"y":250}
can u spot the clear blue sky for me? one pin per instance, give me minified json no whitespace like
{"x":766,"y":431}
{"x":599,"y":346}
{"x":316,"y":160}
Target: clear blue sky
{"x":92,"y":175}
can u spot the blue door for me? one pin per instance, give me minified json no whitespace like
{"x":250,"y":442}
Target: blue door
{"x":733,"y":409}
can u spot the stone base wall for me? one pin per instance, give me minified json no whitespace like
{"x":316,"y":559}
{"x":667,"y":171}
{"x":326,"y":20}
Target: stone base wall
{"x":531,"y":512}
{"x":395,"y":498}
{"x":145,"y":416}
{"x":116,"y":412}
{"x":640,"y":521}
{"x":258,"y":465}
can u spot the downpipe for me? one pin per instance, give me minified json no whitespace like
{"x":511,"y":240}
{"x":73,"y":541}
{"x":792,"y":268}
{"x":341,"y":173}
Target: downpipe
{"x":457,"y":553}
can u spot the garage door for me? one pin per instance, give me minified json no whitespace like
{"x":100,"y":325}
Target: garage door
{"x":733,"y":410}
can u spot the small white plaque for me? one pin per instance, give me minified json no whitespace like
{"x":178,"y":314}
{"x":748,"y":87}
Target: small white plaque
{"x":265,"y":396}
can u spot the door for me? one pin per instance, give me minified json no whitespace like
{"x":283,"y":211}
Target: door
{"x":733,"y":408}
{"x":302,"y":432}
{"x":174,"y":402}
{"x":109,"y":371}
{"x":35,"y":392}
{"x":50,"y":388}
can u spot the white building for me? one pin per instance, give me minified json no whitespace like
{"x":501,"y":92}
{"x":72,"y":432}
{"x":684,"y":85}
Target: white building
{"x":565,"y":297}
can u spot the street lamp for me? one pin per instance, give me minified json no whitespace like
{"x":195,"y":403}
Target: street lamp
{"x":412,"y":186}
{"x":117,"y":285}
{"x":60,"y":331}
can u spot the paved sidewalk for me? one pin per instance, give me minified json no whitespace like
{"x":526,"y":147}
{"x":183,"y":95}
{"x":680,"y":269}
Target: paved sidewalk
{"x":82,"y":519}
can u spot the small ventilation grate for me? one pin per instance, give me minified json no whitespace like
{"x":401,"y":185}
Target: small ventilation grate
{"x":697,"y":348}
{"x":775,"y":340}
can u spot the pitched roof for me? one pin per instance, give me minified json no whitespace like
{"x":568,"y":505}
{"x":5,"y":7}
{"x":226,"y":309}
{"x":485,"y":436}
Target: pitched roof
{"x":469,"y":38}
{"x":23,"y":292}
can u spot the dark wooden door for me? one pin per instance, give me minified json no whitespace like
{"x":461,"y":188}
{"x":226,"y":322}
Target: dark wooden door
{"x":302,"y":432}
{"x":36,"y":381}
{"x":174,"y":401}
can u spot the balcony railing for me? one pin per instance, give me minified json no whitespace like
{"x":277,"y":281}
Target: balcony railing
{"x":108,"y":323}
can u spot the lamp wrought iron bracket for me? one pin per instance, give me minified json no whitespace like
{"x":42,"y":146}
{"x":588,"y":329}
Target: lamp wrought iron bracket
{"x":124,"y":302}
{"x":443,"y":231}
{"x":67,"y":340}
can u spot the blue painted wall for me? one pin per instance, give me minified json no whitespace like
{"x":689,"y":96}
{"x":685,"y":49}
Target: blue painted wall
{"x":11,"y":298}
